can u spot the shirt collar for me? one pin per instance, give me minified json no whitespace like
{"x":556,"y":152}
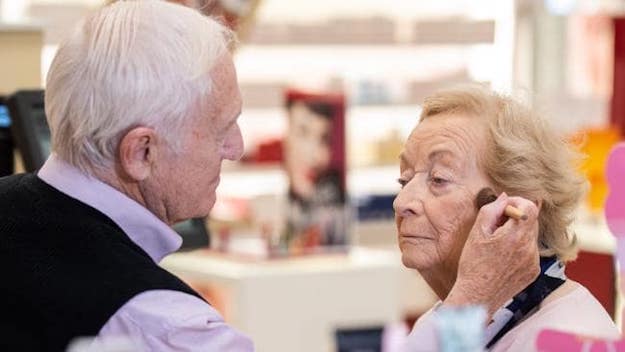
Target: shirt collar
{"x":147,"y":231}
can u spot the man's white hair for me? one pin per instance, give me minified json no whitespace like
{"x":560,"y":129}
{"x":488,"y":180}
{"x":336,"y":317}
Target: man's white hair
{"x":132,"y":63}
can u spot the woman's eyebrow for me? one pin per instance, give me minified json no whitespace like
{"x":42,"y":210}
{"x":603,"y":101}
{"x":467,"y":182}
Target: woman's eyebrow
{"x":403,"y":159}
{"x":438,"y":154}
{"x":434,"y":156}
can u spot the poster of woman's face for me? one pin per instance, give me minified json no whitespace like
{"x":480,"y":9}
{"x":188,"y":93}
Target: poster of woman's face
{"x":309,"y":147}
{"x":314,"y":160}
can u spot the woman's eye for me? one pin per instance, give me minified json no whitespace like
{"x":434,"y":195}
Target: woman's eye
{"x":438,"y":181}
{"x":402,"y":182}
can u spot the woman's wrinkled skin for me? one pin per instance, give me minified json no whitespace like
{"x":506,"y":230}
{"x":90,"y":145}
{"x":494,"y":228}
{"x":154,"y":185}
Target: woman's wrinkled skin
{"x":440,"y":175}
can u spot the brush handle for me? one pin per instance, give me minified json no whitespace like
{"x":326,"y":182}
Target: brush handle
{"x":514,"y":213}
{"x":487,"y":195}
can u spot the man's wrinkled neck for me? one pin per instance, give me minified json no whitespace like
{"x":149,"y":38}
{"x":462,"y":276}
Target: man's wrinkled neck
{"x":134,"y":190}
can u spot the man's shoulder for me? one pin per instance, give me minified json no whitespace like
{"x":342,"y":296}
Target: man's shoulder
{"x":158,"y":319}
{"x":19,"y":198}
{"x":166,"y":307}
{"x":12,"y":184}
{"x":24,"y":191}
{"x":11,"y":179}
{"x":33,"y":205}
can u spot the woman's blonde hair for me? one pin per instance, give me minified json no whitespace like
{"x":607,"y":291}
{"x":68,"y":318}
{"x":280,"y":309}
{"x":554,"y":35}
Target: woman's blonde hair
{"x":524,"y":157}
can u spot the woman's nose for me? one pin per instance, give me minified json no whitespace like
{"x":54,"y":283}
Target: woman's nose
{"x":407,"y":203}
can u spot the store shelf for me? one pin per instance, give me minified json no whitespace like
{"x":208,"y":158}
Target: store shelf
{"x":309,"y":64}
{"x":252,"y":181}
{"x":375,"y":30}
{"x":249,"y":181}
{"x":345,"y":31}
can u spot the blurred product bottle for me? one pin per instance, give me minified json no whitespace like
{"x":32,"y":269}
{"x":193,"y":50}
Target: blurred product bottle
{"x":596,"y":144}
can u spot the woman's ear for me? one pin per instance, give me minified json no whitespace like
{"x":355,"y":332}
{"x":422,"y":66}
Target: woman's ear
{"x":137,"y":152}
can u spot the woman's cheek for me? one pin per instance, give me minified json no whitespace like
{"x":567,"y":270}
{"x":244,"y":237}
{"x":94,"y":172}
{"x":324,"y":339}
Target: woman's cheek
{"x":450,"y":214}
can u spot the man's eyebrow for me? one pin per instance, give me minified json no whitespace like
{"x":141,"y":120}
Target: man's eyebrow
{"x":232,"y":122}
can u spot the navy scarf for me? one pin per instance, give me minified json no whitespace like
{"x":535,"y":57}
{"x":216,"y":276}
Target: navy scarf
{"x":527,"y":301}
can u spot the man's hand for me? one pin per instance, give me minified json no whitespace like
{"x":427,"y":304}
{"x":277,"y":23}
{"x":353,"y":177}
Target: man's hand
{"x":497,"y":261}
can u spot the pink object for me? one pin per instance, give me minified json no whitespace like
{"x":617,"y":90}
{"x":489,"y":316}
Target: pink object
{"x":615,"y":203}
{"x":552,"y":340}
{"x":556,"y":341}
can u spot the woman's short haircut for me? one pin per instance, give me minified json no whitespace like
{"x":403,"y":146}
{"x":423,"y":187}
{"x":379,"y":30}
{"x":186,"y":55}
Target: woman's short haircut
{"x":131,"y":63}
{"x":525,"y":157}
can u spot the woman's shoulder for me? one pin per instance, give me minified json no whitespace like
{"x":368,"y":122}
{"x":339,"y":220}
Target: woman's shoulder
{"x":571,"y":308}
{"x":574,"y":309}
{"x":571,"y":298}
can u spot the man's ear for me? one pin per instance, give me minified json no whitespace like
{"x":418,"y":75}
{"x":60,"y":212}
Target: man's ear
{"x":137,"y":153}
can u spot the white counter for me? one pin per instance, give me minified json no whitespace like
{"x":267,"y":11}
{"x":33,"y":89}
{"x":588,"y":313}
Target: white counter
{"x":296,"y":304}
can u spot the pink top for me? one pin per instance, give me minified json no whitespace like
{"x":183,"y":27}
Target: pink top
{"x":572,"y":309}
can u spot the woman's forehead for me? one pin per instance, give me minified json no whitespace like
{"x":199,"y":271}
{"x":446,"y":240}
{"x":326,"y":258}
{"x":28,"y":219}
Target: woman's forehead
{"x":456,"y":136}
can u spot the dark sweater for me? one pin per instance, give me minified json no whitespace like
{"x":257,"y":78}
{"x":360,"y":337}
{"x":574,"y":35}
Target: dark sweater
{"x":65,"y":267}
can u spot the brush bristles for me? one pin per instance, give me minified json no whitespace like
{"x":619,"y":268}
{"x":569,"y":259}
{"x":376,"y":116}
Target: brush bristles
{"x":485,"y":196}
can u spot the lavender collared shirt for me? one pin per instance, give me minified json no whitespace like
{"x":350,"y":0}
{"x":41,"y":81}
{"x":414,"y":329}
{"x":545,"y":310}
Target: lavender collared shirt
{"x":158,"y":320}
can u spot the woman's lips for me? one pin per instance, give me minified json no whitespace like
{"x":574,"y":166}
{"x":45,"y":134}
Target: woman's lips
{"x":413,"y":238}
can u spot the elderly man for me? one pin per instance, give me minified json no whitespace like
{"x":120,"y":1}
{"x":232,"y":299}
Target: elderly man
{"x":142,"y":102}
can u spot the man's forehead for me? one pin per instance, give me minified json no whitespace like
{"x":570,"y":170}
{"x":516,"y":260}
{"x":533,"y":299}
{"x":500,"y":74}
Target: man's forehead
{"x":223,"y":73}
{"x":225,"y":94}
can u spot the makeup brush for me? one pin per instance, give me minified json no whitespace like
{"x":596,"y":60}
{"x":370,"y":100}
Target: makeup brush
{"x":487,"y":195}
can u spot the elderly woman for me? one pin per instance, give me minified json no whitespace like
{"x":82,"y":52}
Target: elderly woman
{"x":467,"y":139}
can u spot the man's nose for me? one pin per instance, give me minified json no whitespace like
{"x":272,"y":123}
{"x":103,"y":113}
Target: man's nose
{"x":233,"y":145}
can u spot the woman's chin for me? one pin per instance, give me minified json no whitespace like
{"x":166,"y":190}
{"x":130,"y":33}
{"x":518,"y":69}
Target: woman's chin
{"x":414,"y":262}
{"x":416,"y":257}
